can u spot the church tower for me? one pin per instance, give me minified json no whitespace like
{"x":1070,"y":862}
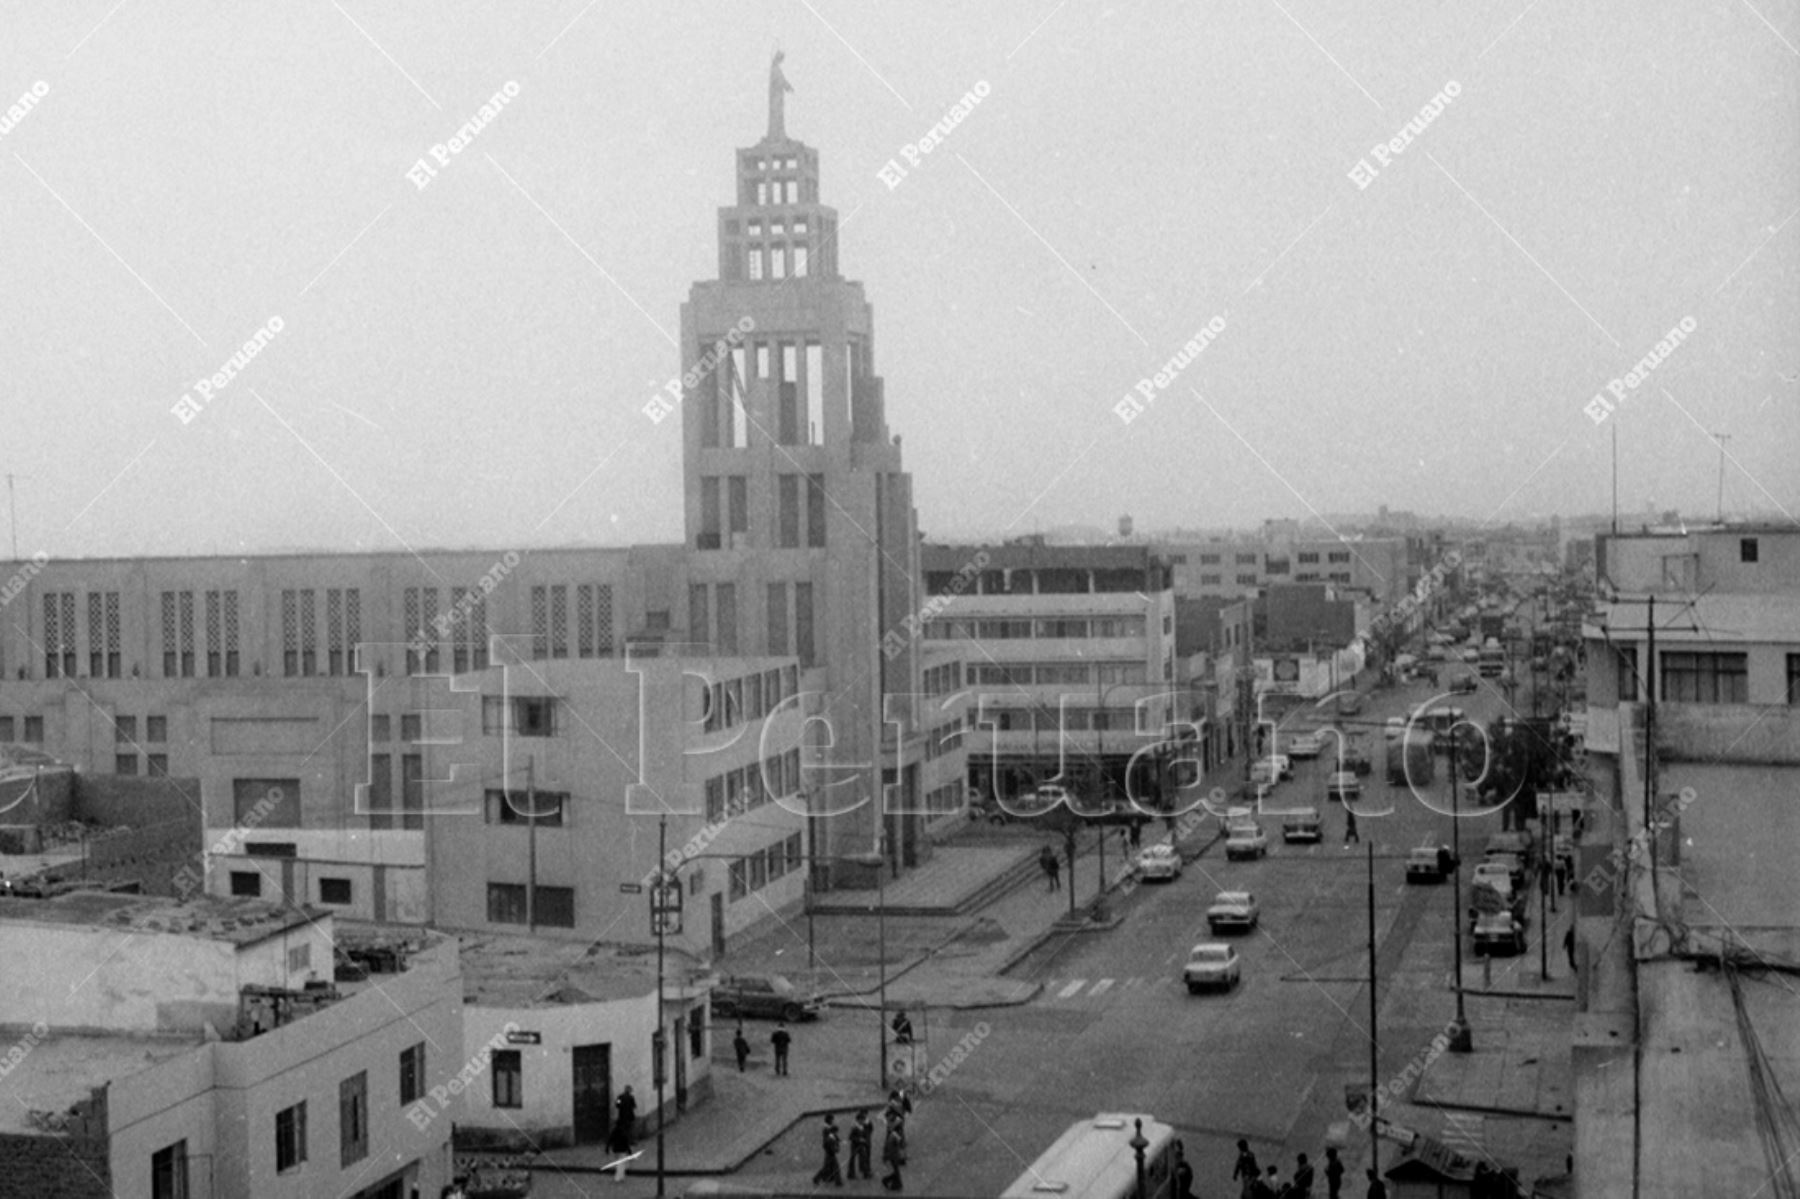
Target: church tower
{"x":798,"y":513}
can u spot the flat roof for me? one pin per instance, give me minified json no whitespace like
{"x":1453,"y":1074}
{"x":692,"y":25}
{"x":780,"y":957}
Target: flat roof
{"x":1729,"y":619}
{"x":1049,"y":557}
{"x":514,"y":971}
{"x":219,"y":918}
{"x":62,"y":1070}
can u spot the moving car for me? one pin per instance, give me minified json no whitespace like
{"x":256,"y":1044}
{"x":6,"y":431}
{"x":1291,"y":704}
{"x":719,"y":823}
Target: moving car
{"x":1284,"y":766}
{"x":1427,"y":864}
{"x":1210,"y":965}
{"x":1160,"y":862}
{"x":1342,"y":786}
{"x":1351,"y":702}
{"x":769,"y":996}
{"x":1263,"y":772}
{"x":1233,"y":911}
{"x":1303,"y":825}
{"x":1311,"y":745}
{"x":1500,"y":934}
{"x":1245,"y":841}
{"x":1461,"y":682}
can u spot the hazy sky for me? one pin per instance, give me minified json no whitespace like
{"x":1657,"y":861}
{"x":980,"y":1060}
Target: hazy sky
{"x":468,"y":363}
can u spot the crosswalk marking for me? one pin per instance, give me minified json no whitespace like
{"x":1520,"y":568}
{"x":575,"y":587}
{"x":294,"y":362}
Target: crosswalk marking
{"x":1071,"y":988}
{"x":1104,"y":984}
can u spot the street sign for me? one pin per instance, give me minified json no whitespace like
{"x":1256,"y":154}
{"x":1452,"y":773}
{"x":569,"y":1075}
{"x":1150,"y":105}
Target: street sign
{"x":631,"y":888}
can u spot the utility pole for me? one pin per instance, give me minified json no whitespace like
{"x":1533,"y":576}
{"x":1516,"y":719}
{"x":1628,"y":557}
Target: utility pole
{"x":531,"y":848}
{"x":1721,"y":438}
{"x":658,"y":1040}
{"x":1650,"y":738}
{"x":1374,"y":1009}
{"x":1460,"y":1040}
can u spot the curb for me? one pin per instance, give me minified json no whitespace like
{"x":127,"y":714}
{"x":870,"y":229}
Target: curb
{"x":1514,"y":1113}
{"x":677,"y":1171}
{"x":1519,"y":994}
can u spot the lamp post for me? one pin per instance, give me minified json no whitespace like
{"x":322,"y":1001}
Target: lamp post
{"x":1460,"y":1040}
{"x":1374,"y":1010}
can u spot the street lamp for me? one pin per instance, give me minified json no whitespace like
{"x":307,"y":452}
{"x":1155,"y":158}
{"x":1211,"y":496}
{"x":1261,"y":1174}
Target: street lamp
{"x":1460,"y":1040}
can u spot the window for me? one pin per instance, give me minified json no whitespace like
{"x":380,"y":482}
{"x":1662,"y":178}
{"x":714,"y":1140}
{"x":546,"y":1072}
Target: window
{"x":353,"y":1118}
{"x":803,"y":623}
{"x":1793,"y":681}
{"x":1629,"y":690}
{"x":555,"y":907}
{"x":334,"y":890}
{"x":506,"y":903}
{"x":157,"y":766}
{"x":1705,"y":678}
{"x":156,"y":728}
{"x":738,"y":503}
{"x":1747,"y":549}
{"x":696,"y":1030}
{"x":168,"y":1172}
{"x":1209,"y":580}
{"x":409,"y":727}
{"x":534,"y":716}
{"x":6,"y":729}
{"x":727,"y":639}
{"x":378,"y":728}
{"x":493,"y":715}
{"x":815,"y":510}
{"x":715,"y":799}
{"x":547,"y":809}
{"x":1246,"y":580}
{"x":125,"y":764}
{"x":290,"y":1137}
{"x":125,"y":730}
{"x":509,"y":1081}
{"x":412,"y":791}
{"x":299,"y":958}
{"x":246,"y":883}
{"x":740,"y":876}
{"x":1310,"y":559}
{"x":266,"y":802}
{"x":1246,"y":559}
{"x":787,"y":527}
{"x":412,"y":1073}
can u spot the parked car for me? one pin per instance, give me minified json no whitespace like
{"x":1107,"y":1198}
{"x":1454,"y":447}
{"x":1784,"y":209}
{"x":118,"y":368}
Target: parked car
{"x":1302,"y":825}
{"x":1245,"y":841}
{"x":1427,"y":864}
{"x":1284,"y":766}
{"x":1354,"y":761}
{"x":1500,"y":934}
{"x":1461,"y":682}
{"x":1159,"y":862}
{"x":1342,"y":786}
{"x":1210,"y":965}
{"x":1264,"y":772}
{"x":768,"y":996}
{"x":1311,"y":745}
{"x":1349,"y":703}
{"x":1504,"y":866}
{"x":1233,"y":911}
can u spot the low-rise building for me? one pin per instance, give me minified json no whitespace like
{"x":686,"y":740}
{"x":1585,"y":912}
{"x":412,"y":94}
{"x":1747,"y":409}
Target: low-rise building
{"x":202,"y":1050}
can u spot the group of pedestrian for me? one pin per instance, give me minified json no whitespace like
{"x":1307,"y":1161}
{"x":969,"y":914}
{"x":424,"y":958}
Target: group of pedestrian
{"x":1258,"y":1182}
{"x":862,"y":1141}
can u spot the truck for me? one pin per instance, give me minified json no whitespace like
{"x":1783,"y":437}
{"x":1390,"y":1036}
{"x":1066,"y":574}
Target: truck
{"x":1493,"y":658}
{"x":1493,"y":626}
{"x":1409,"y":758}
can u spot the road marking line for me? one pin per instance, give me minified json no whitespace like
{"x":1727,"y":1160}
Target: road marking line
{"x":1104,"y":984}
{"x":1071,"y":988}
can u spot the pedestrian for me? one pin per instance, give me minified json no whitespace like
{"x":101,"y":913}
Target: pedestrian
{"x":1334,"y":1174}
{"x":624,"y":1121}
{"x":1184,"y":1174}
{"x":903,"y":1030}
{"x":1271,"y":1184}
{"x":1377,"y":1188}
{"x":1303,"y":1179}
{"x":893,"y":1152}
{"x":1052,"y":867}
{"x":781,"y":1039}
{"x":1350,"y":826}
{"x":1569,"y":944}
{"x":862,"y":1139}
{"x":1245,"y":1171}
{"x":828,"y":1170}
{"x":741,"y":1047}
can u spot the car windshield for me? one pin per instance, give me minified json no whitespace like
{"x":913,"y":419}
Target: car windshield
{"x":1233,"y":898}
{"x":1212,"y":954}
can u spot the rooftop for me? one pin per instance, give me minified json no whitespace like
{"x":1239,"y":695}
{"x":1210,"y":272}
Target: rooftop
{"x":239,"y":921}
{"x":504,"y":971}
{"x":1734,"y":617}
{"x":61,"y":1071}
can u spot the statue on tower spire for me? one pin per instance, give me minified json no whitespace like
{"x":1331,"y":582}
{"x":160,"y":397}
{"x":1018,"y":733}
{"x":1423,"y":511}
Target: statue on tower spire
{"x":778,"y":88}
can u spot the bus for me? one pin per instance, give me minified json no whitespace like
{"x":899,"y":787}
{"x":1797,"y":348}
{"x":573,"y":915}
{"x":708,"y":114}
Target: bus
{"x":1094,"y":1159}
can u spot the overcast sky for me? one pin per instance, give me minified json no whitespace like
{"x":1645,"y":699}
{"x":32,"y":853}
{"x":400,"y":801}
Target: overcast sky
{"x":467,"y":364}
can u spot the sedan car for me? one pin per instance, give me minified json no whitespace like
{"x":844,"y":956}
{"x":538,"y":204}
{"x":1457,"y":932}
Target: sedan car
{"x":1245,"y":841}
{"x":1264,"y":773}
{"x":1426,"y":864}
{"x":1499,"y":933}
{"x":1302,"y":825}
{"x":1159,"y":861}
{"x":1342,"y":786}
{"x":1309,"y":746}
{"x":1210,"y":966}
{"x":769,"y":996}
{"x":1233,"y":911}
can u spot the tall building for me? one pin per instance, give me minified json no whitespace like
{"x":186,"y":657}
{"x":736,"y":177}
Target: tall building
{"x":798,"y":510}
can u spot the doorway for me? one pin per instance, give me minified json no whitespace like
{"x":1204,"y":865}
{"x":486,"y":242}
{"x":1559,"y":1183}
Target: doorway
{"x":718,"y":925}
{"x":592,"y":1099}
